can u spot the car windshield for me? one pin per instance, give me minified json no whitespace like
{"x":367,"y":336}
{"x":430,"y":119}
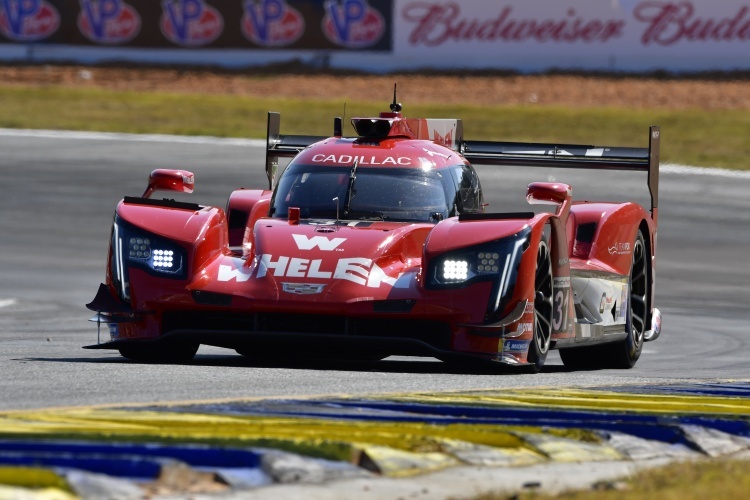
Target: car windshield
{"x":394,"y":194}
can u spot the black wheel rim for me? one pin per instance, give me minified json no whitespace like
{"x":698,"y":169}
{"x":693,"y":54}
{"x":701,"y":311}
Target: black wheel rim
{"x":543,"y":300}
{"x":638,"y":292}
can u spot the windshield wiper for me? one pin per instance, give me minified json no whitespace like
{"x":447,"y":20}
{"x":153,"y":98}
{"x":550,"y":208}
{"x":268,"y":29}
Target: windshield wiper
{"x":350,"y":188}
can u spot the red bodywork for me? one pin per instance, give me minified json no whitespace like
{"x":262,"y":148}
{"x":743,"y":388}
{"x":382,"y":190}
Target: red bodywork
{"x":292,"y":284}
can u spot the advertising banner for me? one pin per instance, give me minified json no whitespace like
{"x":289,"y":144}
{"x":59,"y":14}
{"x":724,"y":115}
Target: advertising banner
{"x":386,"y":35}
{"x":602,"y":34}
{"x":192,"y":24}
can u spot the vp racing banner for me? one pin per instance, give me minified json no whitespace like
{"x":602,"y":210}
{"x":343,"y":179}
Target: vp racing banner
{"x":217,"y":24}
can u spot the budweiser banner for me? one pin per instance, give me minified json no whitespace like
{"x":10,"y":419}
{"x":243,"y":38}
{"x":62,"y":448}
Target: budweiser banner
{"x":601,"y":34}
{"x":381,"y":35}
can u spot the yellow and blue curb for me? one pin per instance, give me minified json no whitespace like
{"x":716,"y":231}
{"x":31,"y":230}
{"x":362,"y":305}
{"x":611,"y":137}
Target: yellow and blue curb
{"x":245,"y":444}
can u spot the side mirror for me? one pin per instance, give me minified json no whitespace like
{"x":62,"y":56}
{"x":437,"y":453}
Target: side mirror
{"x":163,"y":179}
{"x":551,"y":193}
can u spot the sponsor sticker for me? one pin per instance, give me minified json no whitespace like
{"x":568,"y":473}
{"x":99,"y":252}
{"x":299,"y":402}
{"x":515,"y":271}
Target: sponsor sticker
{"x":563,"y":282}
{"x":319,"y":242}
{"x":355,"y":269}
{"x":271,"y":23}
{"x":624,"y":302}
{"x":190,"y":23}
{"x":361,"y":160}
{"x":108,"y":22}
{"x":516,"y":345}
{"x":619,"y":249}
{"x":352,"y":24}
{"x":302,"y":288}
{"x":28,"y":20}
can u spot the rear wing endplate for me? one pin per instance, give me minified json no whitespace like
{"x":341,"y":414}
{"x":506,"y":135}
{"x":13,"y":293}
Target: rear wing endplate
{"x":282,"y":146}
{"x":572,"y":156}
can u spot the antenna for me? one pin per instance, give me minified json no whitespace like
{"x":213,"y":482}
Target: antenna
{"x":395,"y":105}
{"x":336,"y":199}
{"x":338,"y":124}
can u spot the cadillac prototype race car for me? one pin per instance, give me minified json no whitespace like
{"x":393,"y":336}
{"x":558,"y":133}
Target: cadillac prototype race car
{"x":379,"y":245}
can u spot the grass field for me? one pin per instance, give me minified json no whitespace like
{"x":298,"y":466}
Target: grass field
{"x":679,"y":481}
{"x":714,"y":138}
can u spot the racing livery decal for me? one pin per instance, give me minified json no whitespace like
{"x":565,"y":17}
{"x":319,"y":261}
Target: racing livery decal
{"x":516,"y":345}
{"x":302,"y":288}
{"x":108,"y":22}
{"x":361,"y":160}
{"x":190,"y":23}
{"x":443,"y":140}
{"x":320,"y":242}
{"x":358,"y":270}
{"x":353,"y":24}
{"x":271,"y":23}
{"x":560,"y":302}
{"x":619,"y":249}
{"x":28,"y":20}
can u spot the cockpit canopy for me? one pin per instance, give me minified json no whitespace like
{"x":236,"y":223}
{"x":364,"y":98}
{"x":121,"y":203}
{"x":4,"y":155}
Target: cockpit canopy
{"x":377,"y":193}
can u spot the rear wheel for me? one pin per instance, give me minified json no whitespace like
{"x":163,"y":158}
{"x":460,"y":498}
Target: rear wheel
{"x":625,"y":353}
{"x":168,"y":353}
{"x":539,"y":346}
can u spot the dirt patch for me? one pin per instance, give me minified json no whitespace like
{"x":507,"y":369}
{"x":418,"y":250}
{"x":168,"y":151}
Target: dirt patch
{"x":723,"y":92}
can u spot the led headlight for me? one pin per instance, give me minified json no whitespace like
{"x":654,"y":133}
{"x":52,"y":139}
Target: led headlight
{"x":139,"y":248}
{"x":164,"y":259}
{"x":488,"y":262}
{"x":134,"y":247}
{"x":496,"y":261}
{"x":159,"y":255}
{"x":455,"y":270}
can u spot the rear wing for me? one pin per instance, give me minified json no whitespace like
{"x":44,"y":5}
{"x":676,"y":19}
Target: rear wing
{"x":572,"y":156}
{"x":500,"y":153}
{"x":284,"y":146}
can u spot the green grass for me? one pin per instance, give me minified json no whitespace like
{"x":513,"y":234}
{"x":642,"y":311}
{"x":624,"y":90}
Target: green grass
{"x":695,"y":137}
{"x":678,"y":481}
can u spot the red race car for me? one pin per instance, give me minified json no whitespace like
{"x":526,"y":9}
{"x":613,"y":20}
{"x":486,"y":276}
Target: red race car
{"x":379,"y":245}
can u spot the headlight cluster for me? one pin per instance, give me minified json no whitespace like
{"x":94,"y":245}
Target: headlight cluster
{"x":133,"y":247}
{"x":457,"y":271}
{"x":496,"y":261}
{"x":483,"y":262}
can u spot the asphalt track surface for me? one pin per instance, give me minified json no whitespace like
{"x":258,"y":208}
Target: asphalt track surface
{"x":59,"y":191}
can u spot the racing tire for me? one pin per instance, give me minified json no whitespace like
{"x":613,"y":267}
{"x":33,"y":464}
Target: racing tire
{"x":622,"y":354}
{"x":542,"y":335}
{"x":170,"y":353}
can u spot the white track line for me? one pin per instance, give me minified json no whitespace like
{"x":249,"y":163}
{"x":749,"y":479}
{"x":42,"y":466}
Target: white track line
{"x":667,"y":168}
{"x":7,"y":302}
{"x":110,"y":136}
{"x":670,"y":168}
